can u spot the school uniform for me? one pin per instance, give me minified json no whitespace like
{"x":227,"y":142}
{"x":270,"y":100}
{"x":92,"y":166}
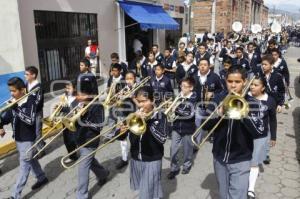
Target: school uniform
{"x":205,"y":83}
{"x":254,"y":60}
{"x":281,"y":67}
{"x":233,"y":148}
{"x":169,"y":63}
{"x":222,"y":75}
{"x":243,"y":62}
{"x":89,"y":127}
{"x":70,"y":138}
{"x":162,"y":88}
{"x":185,"y":70}
{"x":267,"y":112}
{"x":147,"y":151}
{"x":198,"y":57}
{"x":88,"y":77}
{"x":183,"y":128}
{"x":23,"y":120}
{"x":39,"y":111}
{"x":275,"y":86}
{"x":223,"y":54}
{"x":178,"y":52}
{"x":192,"y":50}
{"x":148,"y":69}
{"x":159,"y":57}
{"x":133,"y":66}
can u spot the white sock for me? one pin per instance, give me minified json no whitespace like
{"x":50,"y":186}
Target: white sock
{"x":252,"y":178}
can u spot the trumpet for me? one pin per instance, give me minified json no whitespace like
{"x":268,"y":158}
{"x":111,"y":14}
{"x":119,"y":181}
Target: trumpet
{"x":135,"y":123}
{"x":234,"y":106}
{"x":170,"y":111}
{"x":70,"y":122}
{"x":56,"y":125}
{"x":8,"y":104}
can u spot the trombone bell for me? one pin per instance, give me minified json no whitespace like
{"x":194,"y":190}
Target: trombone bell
{"x":69,"y":123}
{"x":236,"y":107}
{"x":136,"y":124}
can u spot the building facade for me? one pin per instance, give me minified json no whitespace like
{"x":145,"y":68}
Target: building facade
{"x":225,"y":12}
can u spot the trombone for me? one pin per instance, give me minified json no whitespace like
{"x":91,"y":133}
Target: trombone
{"x":234,"y":106}
{"x":70,"y":122}
{"x":136,"y":125}
{"x":170,"y":111}
{"x":56,"y":125}
{"x":8,"y":104}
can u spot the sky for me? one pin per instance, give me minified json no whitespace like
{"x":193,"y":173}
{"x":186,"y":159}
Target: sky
{"x":288,"y":5}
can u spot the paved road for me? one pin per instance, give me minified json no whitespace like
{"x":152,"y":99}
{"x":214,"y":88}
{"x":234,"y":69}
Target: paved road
{"x":281,"y":179}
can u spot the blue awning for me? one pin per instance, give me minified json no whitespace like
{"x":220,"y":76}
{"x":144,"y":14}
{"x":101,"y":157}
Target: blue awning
{"x":149,"y":16}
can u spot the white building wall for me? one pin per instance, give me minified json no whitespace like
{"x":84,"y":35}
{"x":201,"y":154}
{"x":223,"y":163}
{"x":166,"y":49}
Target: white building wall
{"x":11,"y":49}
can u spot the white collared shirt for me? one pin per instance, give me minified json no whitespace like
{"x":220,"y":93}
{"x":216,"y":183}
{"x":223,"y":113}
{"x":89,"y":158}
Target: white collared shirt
{"x":70,"y":99}
{"x":152,"y":64}
{"x":277,"y":63}
{"x":158,"y":79}
{"x":157,"y":54}
{"x":117,"y":79}
{"x":186,"y":66}
{"x":32,"y":84}
{"x":203,"y":78}
{"x":188,"y":96}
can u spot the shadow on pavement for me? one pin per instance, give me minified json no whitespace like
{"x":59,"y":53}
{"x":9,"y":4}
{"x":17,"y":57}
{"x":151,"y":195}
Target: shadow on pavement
{"x":168,"y":186}
{"x":210,"y":183}
{"x":296,"y":119}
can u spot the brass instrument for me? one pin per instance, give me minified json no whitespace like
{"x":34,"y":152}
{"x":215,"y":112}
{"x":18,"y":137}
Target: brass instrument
{"x":116,"y":100}
{"x":50,"y":120}
{"x":111,"y":92}
{"x":234,"y":107}
{"x":170,"y":111}
{"x":70,"y":122}
{"x":56,"y":124}
{"x":236,"y":27}
{"x":136,"y":125}
{"x":9,"y":103}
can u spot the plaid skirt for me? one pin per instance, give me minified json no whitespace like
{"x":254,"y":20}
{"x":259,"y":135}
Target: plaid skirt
{"x":146,"y":178}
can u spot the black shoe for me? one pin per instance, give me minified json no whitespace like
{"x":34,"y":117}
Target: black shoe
{"x":185,"y":171}
{"x":39,"y":184}
{"x":173,"y":174}
{"x":267,"y":160}
{"x":251,"y":195}
{"x":121,"y":164}
{"x":103,"y":180}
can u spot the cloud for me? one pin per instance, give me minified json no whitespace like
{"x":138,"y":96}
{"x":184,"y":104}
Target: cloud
{"x":278,"y":2}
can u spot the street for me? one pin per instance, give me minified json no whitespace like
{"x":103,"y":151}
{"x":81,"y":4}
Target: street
{"x":280,"y":179}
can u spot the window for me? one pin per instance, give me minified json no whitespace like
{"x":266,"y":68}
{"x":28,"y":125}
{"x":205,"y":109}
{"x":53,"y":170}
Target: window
{"x":62,"y":38}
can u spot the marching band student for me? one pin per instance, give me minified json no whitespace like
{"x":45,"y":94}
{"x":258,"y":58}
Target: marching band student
{"x":85,"y":74}
{"x":233,"y":140}
{"x":280,"y":66}
{"x":271,"y":45}
{"x":226,"y":65}
{"x":170,"y":64}
{"x":240,"y":60}
{"x":117,"y":80}
{"x":180,"y":52}
{"x":147,"y":150}
{"x":274,"y":87}
{"x":254,"y":59}
{"x":31,"y":73}
{"x":267,"y":111}
{"x":136,"y":64}
{"x":274,"y":81}
{"x":161,"y":85}
{"x":89,"y":126}
{"x":22,"y":116}
{"x":183,"y":128}
{"x":115,"y":59}
{"x":207,"y":83}
{"x":226,"y":51}
{"x":202,"y":53}
{"x":149,"y":65}
{"x":128,"y":106}
{"x":159,"y":57}
{"x":70,"y":138}
{"x":186,"y":69}
{"x":191,"y":48}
